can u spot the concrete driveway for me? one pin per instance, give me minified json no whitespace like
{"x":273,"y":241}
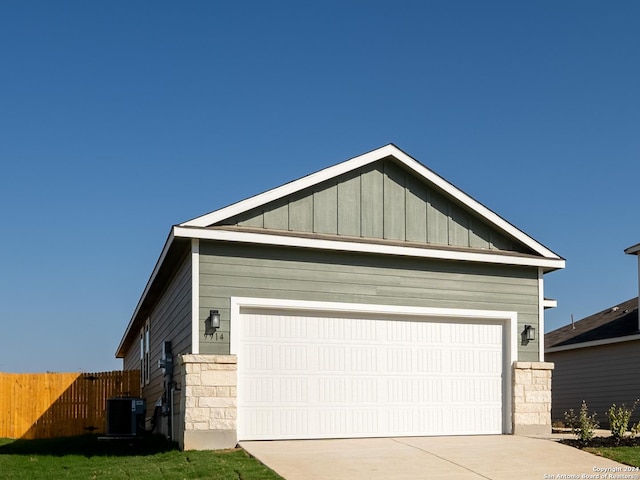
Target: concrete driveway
{"x":494,"y":457}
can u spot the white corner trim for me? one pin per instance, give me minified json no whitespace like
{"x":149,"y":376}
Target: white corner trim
{"x":593,"y":343}
{"x":195,"y":296}
{"x":541,"y":305}
{"x":507,"y":318}
{"x":357,"y":162}
{"x":363,"y":247}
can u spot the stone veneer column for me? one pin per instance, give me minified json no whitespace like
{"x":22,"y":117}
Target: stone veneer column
{"x":532,"y":398}
{"x":208,"y":402}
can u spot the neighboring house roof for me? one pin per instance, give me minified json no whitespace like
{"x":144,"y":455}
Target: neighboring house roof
{"x":617,"y":323}
{"x":244,"y":222}
{"x":633,"y":249}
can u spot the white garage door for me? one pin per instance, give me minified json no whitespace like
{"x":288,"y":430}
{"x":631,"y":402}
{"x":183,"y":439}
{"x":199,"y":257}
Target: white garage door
{"x":302,"y":376}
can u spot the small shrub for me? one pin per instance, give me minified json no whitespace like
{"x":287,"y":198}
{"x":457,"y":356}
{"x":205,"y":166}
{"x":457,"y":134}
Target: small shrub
{"x":619,"y":420}
{"x":582,"y":425}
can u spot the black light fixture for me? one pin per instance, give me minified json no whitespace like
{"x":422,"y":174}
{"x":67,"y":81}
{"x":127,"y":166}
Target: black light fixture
{"x":529,"y":333}
{"x":212,"y":322}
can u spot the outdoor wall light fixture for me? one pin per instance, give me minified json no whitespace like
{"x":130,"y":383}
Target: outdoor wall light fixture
{"x":529,"y":333}
{"x":212,"y":322}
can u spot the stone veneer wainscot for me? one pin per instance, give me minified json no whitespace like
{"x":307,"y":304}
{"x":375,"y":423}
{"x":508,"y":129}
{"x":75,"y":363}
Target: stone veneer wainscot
{"x":208,"y":401}
{"x":532,"y":398}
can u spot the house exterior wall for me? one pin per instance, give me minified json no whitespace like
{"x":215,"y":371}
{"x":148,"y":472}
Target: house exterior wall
{"x":169,"y":320}
{"x":600,"y":375}
{"x":381,"y":201}
{"x":209,"y":400}
{"x":228,"y":270}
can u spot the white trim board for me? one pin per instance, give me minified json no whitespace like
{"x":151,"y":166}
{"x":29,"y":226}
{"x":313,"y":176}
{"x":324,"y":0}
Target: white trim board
{"x":363,"y":247}
{"x":508,"y":319}
{"x":195,"y":296}
{"x":360,"y":161}
{"x":541,"y":306}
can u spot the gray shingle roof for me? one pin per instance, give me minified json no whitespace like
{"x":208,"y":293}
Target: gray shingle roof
{"x":618,"y":321}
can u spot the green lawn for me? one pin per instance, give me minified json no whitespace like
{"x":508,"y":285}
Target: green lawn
{"x":626,"y":455}
{"x":150,"y":458}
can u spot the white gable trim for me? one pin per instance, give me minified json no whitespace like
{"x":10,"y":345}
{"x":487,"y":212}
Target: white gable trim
{"x":360,"y":161}
{"x":363,"y":247}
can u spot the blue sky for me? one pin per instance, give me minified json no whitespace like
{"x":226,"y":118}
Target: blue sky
{"x":120,"y":119}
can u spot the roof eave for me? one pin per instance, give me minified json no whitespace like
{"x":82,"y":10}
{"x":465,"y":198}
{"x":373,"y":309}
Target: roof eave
{"x":633,"y":249}
{"x":360,"y":161}
{"x":547,"y":264}
{"x":592,"y":343}
{"x":120,"y":353}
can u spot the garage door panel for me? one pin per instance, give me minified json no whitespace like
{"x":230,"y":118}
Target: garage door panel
{"x":316,"y":377}
{"x":363,"y":360}
{"x":293,"y":358}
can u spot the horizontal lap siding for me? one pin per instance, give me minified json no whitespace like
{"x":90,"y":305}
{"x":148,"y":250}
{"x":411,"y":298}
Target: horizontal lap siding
{"x":601,"y":376}
{"x":234,"y":270}
{"x":170,"y":320}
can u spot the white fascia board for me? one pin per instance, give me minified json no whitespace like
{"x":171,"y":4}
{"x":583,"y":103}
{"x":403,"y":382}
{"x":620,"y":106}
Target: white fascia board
{"x":476,"y":206}
{"x":593,"y":343}
{"x":357,"y":162}
{"x":362,"y":247}
{"x":291,"y":187}
{"x":152,"y":278}
{"x":550,"y":303}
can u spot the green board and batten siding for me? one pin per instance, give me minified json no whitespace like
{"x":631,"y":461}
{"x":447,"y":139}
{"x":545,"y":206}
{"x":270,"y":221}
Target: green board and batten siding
{"x":228,"y":270}
{"x":381,"y":201}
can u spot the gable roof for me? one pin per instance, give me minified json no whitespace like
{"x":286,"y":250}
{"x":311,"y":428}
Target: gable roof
{"x":211,"y":226}
{"x":617,"y":323}
{"x":541,"y":256}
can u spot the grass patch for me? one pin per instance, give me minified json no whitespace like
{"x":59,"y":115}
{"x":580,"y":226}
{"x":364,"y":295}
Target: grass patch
{"x":626,"y":455}
{"x":149,"y":458}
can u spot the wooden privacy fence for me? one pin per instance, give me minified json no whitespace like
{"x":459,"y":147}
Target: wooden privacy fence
{"x":48,"y":405}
